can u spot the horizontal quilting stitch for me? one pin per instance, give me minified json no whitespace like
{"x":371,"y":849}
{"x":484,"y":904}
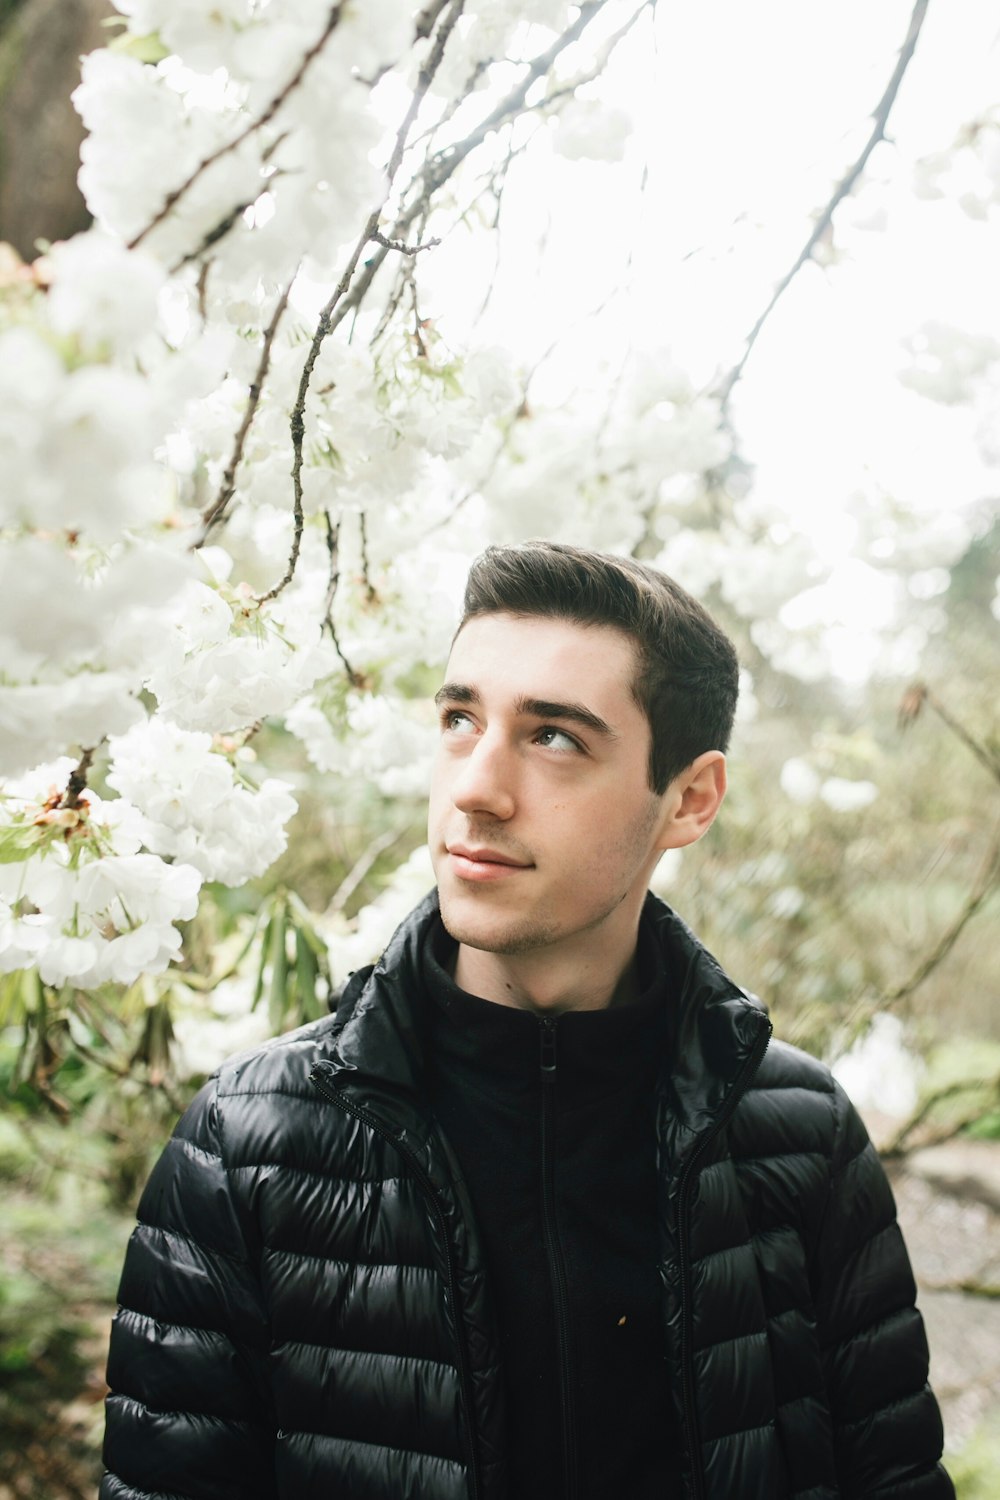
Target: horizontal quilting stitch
{"x":308,"y":1094}
{"x":204,"y":1416}
{"x":351,"y":1261}
{"x":869,"y":1328}
{"x":788,"y":1088}
{"x":335,"y":1349}
{"x":213,"y":1333}
{"x":870,"y":1239}
{"x":736,"y":1338}
{"x":726,"y":1250}
{"x":129,"y":1492}
{"x":189,"y":1239}
{"x":778,"y":1156}
{"x":281,"y":1166}
{"x":196,"y":1150}
{"x":350,"y":1442}
{"x":725,"y":1437}
{"x":878,"y":1411}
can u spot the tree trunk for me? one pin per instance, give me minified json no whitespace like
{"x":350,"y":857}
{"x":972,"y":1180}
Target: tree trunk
{"x":41,"y":43}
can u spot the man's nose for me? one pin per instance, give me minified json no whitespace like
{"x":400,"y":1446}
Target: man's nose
{"x":484,"y":781}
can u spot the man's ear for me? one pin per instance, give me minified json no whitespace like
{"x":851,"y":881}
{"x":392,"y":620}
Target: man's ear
{"x":692,"y":800}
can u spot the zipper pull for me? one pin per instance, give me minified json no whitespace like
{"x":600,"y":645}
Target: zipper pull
{"x":548,"y":1049}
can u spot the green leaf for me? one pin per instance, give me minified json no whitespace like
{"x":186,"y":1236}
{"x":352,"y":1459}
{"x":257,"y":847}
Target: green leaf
{"x":17,"y":842}
{"x":146,"y":49}
{"x":277,"y":1000}
{"x":306,"y":970}
{"x":265,"y":948}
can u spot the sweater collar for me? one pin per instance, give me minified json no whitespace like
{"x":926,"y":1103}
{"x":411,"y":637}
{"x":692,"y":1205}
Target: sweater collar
{"x":711,"y":1028}
{"x":497,"y":1048}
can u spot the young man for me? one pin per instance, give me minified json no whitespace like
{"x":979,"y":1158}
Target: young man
{"x":541,"y":1213}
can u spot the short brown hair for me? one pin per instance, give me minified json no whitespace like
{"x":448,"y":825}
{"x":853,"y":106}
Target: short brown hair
{"x":687,"y":680}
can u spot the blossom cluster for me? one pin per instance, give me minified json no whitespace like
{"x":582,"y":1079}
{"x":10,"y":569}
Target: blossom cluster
{"x":78,"y":897}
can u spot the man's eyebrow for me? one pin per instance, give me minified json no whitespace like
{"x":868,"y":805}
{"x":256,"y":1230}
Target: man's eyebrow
{"x":536,"y":708}
{"x":456,"y":692}
{"x":576,"y":713}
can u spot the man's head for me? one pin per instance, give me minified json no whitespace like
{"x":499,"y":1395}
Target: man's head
{"x":569,"y":757}
{"x":686,"y":676}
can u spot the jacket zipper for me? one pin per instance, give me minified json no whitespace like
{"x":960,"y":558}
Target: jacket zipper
{"x":433,"y":1197}
{"x":553,"y":1251}
{"x":740,"y":1086}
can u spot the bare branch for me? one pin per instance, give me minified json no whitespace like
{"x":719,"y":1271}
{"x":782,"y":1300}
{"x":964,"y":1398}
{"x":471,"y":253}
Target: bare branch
{"x":846,"y":186}
{"x":77,"y":783}
{"x":332,"y":314}
{"x":215,"y":512}
{"x":427,"y":19}
{"x":380,"y":239}
{"x":979,"y":750}
{"x":370,"y":592}
{"x":271,"y":110}
{"x":899,"y":1147}
{"x":988,"y":879}
{"x":371,"y":853}
{"x":333,"y":548}
{"x":970,"y":1286}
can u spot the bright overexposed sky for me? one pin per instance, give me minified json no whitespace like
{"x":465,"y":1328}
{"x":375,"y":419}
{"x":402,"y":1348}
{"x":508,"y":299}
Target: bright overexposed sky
{"x":743,"y":119}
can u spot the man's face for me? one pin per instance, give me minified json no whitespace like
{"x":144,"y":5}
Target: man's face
{"x":542,"y":822}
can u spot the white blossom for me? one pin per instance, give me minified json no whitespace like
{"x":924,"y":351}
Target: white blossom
{"x":197,"y":810}
{"x":101,"y":292}
{"x":881,"y":1070}
{"x":80,"y":901}
{"x":798,"y":780}
{"x":847,"y":796}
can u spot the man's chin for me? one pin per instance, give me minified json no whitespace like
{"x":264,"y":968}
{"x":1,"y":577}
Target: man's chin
{"x":489,"y":932}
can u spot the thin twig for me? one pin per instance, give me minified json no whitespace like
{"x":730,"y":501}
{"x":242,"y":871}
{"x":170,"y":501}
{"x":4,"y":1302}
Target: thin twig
{"x":842,"y":190}
{"x":202,"y":289}
{"x":404,"y":249}
{"x":371,"y":594}
{"x":987,"y":882}
{"x":372,"y":852}
{"x":970,"y":1286}
{"x":333,"y":549}
{"x":979,"y":750}
{"x":898,"y":1147}
{"x":215,"y":512}
{"x":254,"y":125}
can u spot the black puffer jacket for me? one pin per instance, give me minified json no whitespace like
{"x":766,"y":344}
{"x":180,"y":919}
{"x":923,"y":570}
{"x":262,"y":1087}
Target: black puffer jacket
{"x":304,"y":1311}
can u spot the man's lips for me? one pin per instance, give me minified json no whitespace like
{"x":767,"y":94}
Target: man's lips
{"x":473,"y":862}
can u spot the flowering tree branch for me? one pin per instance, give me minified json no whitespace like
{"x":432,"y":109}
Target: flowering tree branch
{"x":216,"y":511}
{"x":250,"y":129}
{"x":843,"y":189}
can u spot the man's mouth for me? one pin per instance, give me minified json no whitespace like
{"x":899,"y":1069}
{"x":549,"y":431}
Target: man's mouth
{"x":478,"y":862}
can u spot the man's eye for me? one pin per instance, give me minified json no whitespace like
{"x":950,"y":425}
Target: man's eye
{"x":556,"y":739}
{"x":457,"y":723}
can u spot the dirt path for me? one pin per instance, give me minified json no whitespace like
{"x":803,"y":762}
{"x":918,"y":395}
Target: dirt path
{"x":949,"y":1206}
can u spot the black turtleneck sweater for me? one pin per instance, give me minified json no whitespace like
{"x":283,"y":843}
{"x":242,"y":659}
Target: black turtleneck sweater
{"x":551,"y":1121}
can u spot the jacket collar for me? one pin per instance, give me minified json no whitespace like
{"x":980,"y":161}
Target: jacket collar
{"x":713,"y":1028}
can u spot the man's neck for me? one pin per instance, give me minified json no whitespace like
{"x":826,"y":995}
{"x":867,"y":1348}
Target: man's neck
{"x":547,"y":984}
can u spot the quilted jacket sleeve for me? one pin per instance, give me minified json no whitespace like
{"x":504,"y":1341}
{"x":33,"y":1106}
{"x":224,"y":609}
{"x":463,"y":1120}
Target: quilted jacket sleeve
{"x":887,"y":1427}
{"x":187,"y":1412}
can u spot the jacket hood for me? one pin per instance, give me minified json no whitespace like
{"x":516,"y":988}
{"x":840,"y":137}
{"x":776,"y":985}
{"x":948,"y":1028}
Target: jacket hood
{"x":714,"y":1024}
